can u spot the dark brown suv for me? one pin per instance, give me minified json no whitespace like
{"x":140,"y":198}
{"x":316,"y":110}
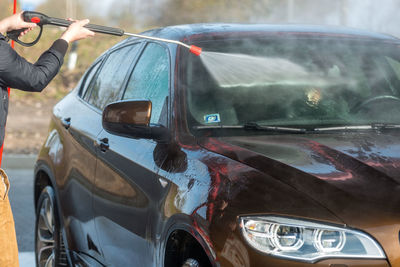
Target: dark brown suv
{"x":151,"y":161}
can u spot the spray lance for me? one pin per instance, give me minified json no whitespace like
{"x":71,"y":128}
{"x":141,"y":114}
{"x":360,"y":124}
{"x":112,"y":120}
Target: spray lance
{"x":41,"y":20}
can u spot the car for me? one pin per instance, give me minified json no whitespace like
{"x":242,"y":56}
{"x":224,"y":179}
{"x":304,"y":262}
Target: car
{"x":160,"y":157}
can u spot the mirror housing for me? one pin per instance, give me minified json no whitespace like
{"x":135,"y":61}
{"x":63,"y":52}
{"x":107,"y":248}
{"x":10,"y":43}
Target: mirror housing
{"x":131,"y":118}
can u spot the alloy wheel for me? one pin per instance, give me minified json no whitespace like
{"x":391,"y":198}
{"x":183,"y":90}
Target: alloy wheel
{"x":45,"y":234}
{"x":50,"y":249}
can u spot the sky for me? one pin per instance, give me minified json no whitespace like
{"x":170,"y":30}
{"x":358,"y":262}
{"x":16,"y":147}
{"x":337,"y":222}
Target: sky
{"x":31,"y":4}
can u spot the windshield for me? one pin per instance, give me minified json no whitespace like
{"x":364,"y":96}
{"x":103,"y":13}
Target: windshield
{"x":307,"y":83}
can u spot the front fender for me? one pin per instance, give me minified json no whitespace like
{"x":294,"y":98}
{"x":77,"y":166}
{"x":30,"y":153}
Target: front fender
{"x":188,"y":224}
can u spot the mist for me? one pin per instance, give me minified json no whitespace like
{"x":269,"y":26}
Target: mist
{"x":380,"y":16}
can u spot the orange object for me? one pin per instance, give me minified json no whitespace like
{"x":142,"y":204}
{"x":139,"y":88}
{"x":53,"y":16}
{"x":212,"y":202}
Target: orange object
{"x":35,"y":20}
{"x":12,"y":45}
{"x":195,"y":50}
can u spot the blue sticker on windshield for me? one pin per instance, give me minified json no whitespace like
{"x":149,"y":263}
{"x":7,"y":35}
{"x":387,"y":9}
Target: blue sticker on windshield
{"x":212,"y":118}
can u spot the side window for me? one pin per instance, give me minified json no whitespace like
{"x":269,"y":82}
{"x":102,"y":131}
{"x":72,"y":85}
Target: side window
{"x":107,"y":86}
{"x":150,"y":80}
{"x":85,"y":93}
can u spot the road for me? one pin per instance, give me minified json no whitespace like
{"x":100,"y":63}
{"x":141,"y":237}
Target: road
{"x":21,"y":198}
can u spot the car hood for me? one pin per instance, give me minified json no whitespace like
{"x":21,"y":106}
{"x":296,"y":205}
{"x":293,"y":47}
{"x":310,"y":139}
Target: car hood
{"x":354,"y":175}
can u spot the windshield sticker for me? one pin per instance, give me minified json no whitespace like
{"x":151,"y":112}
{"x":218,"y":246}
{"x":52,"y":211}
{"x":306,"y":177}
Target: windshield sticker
{"x":212,"y":118}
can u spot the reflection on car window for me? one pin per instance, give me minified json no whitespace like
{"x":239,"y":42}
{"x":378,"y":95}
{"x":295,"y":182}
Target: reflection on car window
{"x":107,"y":86}
{"x":88,"y":78}
{"x":149,"y":80}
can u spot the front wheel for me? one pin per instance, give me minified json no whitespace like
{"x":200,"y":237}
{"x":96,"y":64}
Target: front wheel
{"x":49,"y":248}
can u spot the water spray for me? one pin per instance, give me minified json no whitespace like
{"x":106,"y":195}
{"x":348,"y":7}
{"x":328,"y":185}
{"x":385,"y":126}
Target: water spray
{"x":41,"y":19}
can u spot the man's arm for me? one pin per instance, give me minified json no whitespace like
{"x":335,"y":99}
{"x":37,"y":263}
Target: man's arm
{"x":18,"y":73}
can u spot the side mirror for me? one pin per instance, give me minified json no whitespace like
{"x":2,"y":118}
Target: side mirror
{"x":131,"y":118}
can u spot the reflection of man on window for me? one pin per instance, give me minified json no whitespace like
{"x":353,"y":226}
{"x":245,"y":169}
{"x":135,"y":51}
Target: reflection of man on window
{"x":314,"y":96}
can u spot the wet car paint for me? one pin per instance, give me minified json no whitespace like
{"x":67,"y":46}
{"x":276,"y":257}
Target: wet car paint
{"x":74,"y":171}
{"x":142,"y":190}
{"x":361,"y":195}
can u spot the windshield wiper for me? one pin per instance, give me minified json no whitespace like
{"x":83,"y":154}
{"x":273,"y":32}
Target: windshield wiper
{"x":373,"y":126}
{"x":256,"y":126}
{"x":253,"y":127}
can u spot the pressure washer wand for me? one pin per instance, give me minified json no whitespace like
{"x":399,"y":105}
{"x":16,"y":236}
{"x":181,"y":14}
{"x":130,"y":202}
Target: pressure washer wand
{"x":41,"y":19}
{"x":192,"y":48}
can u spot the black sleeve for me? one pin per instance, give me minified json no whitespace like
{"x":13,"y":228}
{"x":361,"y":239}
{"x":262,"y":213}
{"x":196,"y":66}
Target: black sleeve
{"x":16,"y":72}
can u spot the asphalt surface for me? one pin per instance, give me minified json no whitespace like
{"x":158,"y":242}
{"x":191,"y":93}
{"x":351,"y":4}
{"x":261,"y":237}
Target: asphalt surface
{"x":20,"y":172}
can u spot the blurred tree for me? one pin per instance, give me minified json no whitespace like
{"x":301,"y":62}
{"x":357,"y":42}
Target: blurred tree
{"x":193,"y":11}
{"x":6,"y":8}
{"x":62,"y":8}
{"x":124,"y":15}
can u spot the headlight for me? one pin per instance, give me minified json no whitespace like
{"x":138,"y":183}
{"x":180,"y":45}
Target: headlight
{"x":307,"y":241}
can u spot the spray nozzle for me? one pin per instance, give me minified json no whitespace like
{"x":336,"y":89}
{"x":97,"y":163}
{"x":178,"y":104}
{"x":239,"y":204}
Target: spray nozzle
{"x":195,"y":50}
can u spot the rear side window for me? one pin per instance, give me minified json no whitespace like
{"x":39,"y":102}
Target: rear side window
{"x":150,"y":80}
{"x":88,"y":78}
{"x":107,"y":86}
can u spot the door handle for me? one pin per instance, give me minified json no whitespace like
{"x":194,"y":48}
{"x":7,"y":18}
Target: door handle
{"x":103,"y":144}
{"x":66,"y":122}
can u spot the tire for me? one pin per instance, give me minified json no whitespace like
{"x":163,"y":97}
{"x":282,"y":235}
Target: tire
{"x":49,"y":245}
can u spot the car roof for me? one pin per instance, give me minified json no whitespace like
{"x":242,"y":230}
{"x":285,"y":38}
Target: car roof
{"x":196,"y":32}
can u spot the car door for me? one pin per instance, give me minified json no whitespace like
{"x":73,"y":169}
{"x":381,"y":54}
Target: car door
{"x":84,"y":126}
{"x":76,"y":162}
{"x":127,"y":187}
